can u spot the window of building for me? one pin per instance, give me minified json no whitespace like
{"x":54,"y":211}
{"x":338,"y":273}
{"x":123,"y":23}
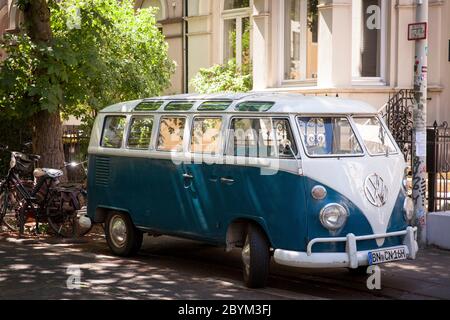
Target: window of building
{"x":140,"y":132}
{"x":206,"y":135}
{"x":171,"y":134}
{"x":161,"y":14}
{"x":237,"y":28}
{"x":113,"y":130}
{"x":261,"y":138}
{"x":369,"y":39}
{"x":236,"y":4}
{"x":300,"y":40}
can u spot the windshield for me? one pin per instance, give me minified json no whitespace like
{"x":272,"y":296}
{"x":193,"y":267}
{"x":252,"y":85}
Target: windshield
{"x":329,"y":136}
{"x":374,"y":135}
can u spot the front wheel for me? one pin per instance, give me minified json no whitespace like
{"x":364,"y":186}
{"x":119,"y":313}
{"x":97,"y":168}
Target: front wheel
{"x":123,"y":238}
{"x":255,"y":258}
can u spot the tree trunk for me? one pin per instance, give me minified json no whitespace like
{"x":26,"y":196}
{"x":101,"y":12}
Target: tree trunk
{"x":47,"y":139}
{"x":37,"y":21}
{"x":47,"y":127}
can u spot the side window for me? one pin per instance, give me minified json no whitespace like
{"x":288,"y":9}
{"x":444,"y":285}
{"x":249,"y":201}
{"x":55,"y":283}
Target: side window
{"x":262,"y":138}
{"x":205,"y":136}
{"x":140,"y":132}
{"x":285,"y":140}
{"x":171,"y":134}
{"x":113,"y":130}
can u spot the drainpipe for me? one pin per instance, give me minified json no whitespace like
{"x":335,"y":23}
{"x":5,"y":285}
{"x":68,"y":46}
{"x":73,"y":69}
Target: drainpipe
{"x":420,"y":125}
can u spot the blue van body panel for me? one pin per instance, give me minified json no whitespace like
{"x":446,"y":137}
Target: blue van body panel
{"x":158,"y":197}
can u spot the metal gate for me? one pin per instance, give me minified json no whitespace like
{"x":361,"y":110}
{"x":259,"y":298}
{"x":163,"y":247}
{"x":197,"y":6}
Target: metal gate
{"x":398,"y":115}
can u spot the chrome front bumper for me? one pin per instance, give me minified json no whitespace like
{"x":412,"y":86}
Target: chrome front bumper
{"x":352,"y":258}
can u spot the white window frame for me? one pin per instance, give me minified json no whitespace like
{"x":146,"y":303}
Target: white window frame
{"x":162,"y":10}
{"x":238,"y":15}
{"x":303,"y":48}
{"x":381,"y":80}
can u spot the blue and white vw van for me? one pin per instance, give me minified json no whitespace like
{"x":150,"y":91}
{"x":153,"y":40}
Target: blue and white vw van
{"x":315,"y":182}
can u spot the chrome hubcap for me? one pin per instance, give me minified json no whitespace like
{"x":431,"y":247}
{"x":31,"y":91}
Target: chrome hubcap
{"x":246,"y":256}
{"x":118,"y":231}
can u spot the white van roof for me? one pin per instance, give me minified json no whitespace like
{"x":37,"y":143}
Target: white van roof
{"x":283,"y":103}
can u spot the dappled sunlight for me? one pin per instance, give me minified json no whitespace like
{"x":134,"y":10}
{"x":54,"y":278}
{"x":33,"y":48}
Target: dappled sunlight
{"x":169,"y":268}
{"x":37,"y":268}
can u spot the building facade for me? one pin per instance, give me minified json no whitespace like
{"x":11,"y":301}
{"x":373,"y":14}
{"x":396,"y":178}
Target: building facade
{"x":352,"y":48}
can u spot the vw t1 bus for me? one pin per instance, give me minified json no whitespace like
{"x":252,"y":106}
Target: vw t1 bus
{"x":314,"y":182}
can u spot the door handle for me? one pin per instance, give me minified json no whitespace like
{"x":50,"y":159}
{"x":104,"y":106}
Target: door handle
{"x":227,"y":180}
{"x":188,"y":176}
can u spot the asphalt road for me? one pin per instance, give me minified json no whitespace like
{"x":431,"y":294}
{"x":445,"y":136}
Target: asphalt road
{"x":169,"y":268}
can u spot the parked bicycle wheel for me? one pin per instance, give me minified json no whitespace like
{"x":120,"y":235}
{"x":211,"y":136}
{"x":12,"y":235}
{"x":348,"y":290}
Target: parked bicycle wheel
{"x":8,"y":210}
{"x":63,"y":219}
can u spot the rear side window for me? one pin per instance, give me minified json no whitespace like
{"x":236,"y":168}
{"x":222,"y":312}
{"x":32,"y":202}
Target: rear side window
{"x":171,"y":134}
{"x":140,"y":132}
{"x":261,"y":138}
{"x":206,"y":135}
{"x":113,"y":130}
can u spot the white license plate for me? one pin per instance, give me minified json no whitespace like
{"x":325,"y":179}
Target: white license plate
{"x":383,"y":256}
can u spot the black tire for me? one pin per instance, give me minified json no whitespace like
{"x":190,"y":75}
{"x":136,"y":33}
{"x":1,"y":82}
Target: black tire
{"x":360,"y":271}
{"x":63,"y":225}
{"x":8,"y":213}
{"x":131,"y":241}
{"x":255,"y":258}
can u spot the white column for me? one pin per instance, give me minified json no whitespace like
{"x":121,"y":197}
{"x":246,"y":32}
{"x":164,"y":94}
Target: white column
{"x":200,"y":47}
{"x":335,"y":43}
{"x":405,"y":48}
{"x":260,"y":44}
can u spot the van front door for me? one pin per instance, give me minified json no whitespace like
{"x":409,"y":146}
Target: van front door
{"x":257,"y":180}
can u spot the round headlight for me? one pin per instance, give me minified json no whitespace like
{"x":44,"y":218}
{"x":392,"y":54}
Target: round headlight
{"x":333,"y":216}
{"x":408,"y":208}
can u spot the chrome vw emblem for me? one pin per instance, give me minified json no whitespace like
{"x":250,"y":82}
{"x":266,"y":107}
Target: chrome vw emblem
{"x":375,"y":190}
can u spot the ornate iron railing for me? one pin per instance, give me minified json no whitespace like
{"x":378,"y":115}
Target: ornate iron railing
{"x":398,"y":115}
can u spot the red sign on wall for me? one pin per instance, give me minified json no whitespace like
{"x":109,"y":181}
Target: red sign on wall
{"x":417,"y":31}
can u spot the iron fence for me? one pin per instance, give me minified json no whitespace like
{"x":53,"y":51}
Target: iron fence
{"x":438,"y":167}
{"x":398,"y":115}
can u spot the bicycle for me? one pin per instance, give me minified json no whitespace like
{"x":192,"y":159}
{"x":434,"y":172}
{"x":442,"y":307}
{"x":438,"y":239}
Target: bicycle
{"x":43,"y":199}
